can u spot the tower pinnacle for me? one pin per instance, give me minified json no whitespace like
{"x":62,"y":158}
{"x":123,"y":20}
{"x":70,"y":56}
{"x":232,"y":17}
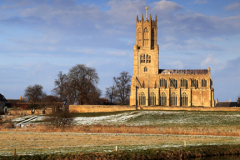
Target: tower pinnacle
{"x":146,"y":13}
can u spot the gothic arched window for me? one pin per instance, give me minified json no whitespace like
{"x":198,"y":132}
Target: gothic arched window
{"x":145,"y":37}
{"x":152,"y":38}
{"x":173,"y":101}
{"x":143,"y":85}
{"x":145,"y":69}
{"x":184,"y":99}
{"x":184,"y":83}
{"x":145,"y":58}
{"x":163,"y":99}
{"x":173,"y":83}
{"x":139,"y":36}
{"x":142,"y":99}
{"x":163,"y":83}
{"x":148,"y":58}
{"x":204,"y":83}
{"x":142,"y":58}
{"x":194,"y":83}
{"x":152,"y":100}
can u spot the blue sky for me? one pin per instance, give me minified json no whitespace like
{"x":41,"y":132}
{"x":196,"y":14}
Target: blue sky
{"x":40,"y":38}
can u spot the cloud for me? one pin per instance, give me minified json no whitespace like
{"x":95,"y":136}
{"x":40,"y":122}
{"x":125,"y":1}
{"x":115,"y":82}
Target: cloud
{"x":117,"y":53}
{"x":174,"y":44}
{"x":226,"y":80}
{"x":167,"y":6}
{"x":210,"y":61}
{"x":200,"y":1}
{"x":233,"y":6}
{"x":177,"y":64}
{"x":165,"y":9}
{"x":122,"y":12}
{"x":73,"y":18}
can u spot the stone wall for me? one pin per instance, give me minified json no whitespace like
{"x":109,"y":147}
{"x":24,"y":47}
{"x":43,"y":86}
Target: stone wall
{"x":114,"y":108}
{"x":99,"y":108}
{"x":29,"y":112}
{"x":189,"y":108}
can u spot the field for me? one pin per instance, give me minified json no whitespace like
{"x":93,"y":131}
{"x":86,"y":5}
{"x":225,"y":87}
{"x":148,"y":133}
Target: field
{"x":102,"y":132}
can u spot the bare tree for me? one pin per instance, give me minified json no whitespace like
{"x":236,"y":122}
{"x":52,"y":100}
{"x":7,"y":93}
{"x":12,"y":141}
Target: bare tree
{"x":83,"y":80}
{"x":123,"y":85}
{"x":111,"y":93}
{"x":61,"y":86}
{"x":78,"y":86}
{"x":34,"y":93}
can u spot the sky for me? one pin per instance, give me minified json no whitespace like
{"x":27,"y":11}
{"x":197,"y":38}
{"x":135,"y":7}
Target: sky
{"x":40,"y":38}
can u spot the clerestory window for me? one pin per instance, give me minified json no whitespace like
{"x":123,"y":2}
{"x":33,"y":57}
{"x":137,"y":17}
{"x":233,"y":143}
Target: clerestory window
{"x":204,"y":83}
{"x":194,"y":83}
{"x":184,"y":83}
{"x":173,"y":83}
{"x":163,"y":83}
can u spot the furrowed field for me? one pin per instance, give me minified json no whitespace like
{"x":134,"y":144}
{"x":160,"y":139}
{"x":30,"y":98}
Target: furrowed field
{"x":130,"y":130}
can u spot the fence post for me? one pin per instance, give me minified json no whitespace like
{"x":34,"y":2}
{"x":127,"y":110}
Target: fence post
{"x":14,"y":152}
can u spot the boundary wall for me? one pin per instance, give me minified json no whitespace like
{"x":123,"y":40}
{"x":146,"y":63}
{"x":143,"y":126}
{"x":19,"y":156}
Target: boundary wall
{"x":115,"y":108}
{"x":189,"y":108}
{"x":29,"y":112}
{"x":100,"y":108}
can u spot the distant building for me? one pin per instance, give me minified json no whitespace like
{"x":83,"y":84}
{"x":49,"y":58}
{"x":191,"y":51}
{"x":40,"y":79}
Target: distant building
{"x":152,"y":86}
{"x":228,"y":104}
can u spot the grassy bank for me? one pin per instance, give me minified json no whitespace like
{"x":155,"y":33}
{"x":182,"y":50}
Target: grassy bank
{"x":179,"y":153}
{"x":143,"y":122}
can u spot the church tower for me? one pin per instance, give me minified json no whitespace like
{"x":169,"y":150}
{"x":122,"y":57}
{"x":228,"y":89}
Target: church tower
{"x":146,"y":48}
{"x":146,"y":53}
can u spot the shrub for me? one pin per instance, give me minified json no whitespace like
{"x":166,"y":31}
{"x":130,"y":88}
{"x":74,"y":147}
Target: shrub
{"x":10,"y":124}
{"x":61,"y":120}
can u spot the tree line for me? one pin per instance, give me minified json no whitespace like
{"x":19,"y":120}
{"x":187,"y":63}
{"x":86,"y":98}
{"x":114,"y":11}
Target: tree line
{"x":79,"y":86}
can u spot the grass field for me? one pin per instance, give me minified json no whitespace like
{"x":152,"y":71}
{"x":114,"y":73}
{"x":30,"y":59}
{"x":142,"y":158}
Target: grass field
{"x":101,"y":132}
{"x":62,"y":142}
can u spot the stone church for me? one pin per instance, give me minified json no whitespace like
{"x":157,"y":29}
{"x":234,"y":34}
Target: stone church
{"x":152,"y":86}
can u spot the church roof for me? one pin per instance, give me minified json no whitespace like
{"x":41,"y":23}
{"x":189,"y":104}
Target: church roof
{"x":186,"y":71}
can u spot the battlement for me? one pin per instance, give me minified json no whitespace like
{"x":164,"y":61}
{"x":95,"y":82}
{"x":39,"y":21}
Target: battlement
{"x":146,"y":20}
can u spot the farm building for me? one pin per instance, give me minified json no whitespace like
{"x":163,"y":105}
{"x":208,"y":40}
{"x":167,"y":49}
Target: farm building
{"x":228,"y":104}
